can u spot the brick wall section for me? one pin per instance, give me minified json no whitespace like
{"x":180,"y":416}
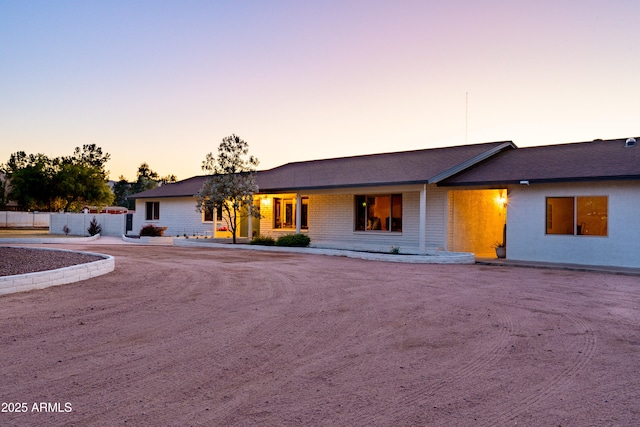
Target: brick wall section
{"x":61,"y":276}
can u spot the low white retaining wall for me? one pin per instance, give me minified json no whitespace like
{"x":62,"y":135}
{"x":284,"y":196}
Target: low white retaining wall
{"x":60,"y":276}
{"x":149,"y":240}
{"x":437,"y":258}
{"x":47,"y":240}
{"x":24,"y":219}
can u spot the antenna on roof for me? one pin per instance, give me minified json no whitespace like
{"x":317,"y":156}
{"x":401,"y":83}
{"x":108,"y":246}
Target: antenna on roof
{"x":630,"y":142}
{"x":466,"y":118}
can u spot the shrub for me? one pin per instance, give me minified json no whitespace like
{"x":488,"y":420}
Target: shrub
{"x":94,"y":227}
{"x":152,"y":231}
{"x":297,"y":240}
{"x":262,"y":240}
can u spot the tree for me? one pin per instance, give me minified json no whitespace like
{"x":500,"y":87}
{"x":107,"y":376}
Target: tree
{"x":41,"y":183}
{"x":3,"y":191}
{"x":31,"y":179}
{"x":146,"y":179}
{"x":77,"y":185}
{"x":121,"y":190}
{"x":231,"y":184}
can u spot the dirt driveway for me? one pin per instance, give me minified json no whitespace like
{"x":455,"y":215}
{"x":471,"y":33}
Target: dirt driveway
{"x":184,"y":336}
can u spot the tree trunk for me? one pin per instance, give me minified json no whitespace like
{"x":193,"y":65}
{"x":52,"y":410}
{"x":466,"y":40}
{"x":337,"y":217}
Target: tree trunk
{"x":234,"y":224}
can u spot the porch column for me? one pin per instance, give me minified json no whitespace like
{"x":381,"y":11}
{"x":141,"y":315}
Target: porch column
{"x":423,"y":219}
{"x":250,"y":220}
{"x":298,"y":213}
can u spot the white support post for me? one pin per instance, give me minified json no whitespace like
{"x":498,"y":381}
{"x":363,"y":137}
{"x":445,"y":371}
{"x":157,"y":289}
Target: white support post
{"x":250,"y":220}
{"x":298,"y":213}
{"x":423,"y":219}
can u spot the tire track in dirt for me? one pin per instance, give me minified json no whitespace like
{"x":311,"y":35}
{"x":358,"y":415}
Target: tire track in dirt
{"x":585,"y":353}
{"x":281,"y":341}
{"x":398,"y":408}
{"x":316,"y":364}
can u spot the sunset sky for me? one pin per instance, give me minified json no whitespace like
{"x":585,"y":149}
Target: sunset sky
{"x":163,"y":82}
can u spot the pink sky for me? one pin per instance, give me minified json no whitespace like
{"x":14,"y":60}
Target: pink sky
{"x":164,"y":82}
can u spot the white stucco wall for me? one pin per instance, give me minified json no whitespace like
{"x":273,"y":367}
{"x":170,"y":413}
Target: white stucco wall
{"x":526,"y":238}
{"x":178,"y":214}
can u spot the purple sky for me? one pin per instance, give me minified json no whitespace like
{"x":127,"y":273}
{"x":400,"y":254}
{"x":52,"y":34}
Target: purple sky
{"x":163,"y":82}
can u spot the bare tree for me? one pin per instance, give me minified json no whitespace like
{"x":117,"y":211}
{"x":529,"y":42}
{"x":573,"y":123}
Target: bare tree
{"x":231,"y":184}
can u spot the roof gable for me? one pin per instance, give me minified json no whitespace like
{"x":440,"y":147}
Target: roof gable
{"x":584,"y":161}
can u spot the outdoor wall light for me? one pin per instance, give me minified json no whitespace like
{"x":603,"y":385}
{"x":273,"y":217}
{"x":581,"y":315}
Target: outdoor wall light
{"x":501,"y":200}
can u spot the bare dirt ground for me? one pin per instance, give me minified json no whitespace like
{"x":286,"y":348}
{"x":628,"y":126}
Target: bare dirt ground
{"x":186,"y":337}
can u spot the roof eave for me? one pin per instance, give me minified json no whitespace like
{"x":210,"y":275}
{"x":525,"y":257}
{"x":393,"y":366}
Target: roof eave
{"x":524,"y":181}
{"x":333,"y":187}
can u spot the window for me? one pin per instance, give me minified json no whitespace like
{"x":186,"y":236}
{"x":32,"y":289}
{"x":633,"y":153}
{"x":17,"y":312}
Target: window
{"x":153,"y":211}
{"x":381,"y":213}
{"x":582,"y":216}
{"x":208,"y":214}
{"x":284,"y":213}
{"x":304,"y":213}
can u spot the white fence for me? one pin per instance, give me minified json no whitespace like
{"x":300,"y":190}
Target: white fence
{"x":24,"y":219}
{"x":78,"y":223}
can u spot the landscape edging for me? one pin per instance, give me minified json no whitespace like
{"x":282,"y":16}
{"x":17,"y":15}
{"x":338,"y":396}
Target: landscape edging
{"x":59,"y":276}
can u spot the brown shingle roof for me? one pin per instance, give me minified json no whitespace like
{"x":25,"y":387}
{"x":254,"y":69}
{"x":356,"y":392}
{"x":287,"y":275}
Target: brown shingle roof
{"x":185,"y":188}
{"x":405,"y":167}
{"x":584,"y":161}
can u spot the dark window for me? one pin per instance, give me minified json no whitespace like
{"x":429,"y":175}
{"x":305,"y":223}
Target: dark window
{"x":207,"y":214}
{"x":378,"y":213}
{"x":153,"y":211}
{"x":284,"y":213}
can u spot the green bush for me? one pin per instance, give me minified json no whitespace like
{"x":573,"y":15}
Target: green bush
{"x":262,"y":240}
{"x":297,"y":240}
{"x":152,"y":230}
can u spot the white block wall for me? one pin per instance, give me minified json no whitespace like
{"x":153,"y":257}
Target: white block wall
{"x":178,"y":214}
{"x":78,"y":223}
{"x":24,"y":219}
{"x":527,"y":240}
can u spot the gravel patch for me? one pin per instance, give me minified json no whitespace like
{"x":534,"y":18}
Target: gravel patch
{"x":24,"y":260}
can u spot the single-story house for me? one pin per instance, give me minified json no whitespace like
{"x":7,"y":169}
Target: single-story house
{"x":545,"y":201}
{"x":373,"y":202}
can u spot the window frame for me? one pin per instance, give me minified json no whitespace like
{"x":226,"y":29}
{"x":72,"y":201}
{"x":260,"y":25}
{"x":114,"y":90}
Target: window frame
{"x":578,"y":227}
{"x":284,"y":213}
{"x":387,"y":224}
{"x":152,"y":211}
